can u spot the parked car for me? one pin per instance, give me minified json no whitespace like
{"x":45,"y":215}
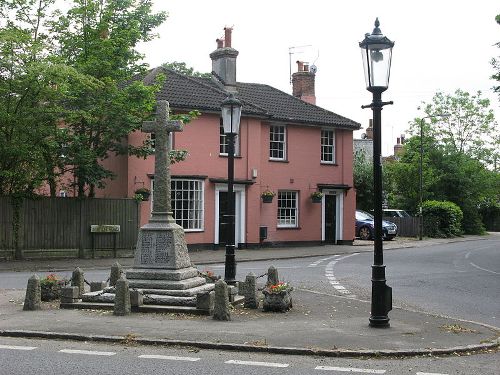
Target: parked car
{"x":365,"y":228}
{"x":391,"y":212}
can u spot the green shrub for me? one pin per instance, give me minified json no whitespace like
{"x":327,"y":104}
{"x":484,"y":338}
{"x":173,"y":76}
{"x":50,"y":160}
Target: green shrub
{"x":442,"y":219}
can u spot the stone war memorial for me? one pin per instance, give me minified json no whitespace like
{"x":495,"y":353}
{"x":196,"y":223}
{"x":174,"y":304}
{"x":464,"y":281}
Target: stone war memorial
{"x":162,"y":277}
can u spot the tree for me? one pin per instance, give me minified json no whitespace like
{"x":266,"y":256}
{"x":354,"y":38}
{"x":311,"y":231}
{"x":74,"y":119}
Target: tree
{"x":98,"y":38}
{"x":363,"y":181}
{"x":180,"y":67}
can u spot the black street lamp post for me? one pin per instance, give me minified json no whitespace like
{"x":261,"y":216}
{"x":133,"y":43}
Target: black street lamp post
{"x":420,"y":172}
{"x":376,"y":52}
{"x":231,"y":113}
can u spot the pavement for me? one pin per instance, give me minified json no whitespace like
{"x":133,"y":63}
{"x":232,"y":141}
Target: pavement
{"x":318,"y":324}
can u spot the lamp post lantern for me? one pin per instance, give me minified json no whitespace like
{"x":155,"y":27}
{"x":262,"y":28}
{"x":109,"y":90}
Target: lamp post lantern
{"x":420,"y":172}
{"x":376,"y":51}
{"x":231,"y":113}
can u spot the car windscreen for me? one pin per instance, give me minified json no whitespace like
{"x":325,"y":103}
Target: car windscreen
{"x":360,"y":215}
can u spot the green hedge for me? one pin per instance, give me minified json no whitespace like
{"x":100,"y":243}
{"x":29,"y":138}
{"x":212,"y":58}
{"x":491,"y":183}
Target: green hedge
{"x":442,"y":219}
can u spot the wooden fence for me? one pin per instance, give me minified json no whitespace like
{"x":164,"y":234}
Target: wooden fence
{"x":407,"y":226}
{"x":60,"y":227}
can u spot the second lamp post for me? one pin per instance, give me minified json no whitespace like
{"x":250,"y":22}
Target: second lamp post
{"x":376,"y":50}
{"x":231,"y":113}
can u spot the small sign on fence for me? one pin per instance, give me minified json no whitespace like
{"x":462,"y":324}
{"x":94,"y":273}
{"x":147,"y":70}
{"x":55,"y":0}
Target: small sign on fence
{"x":105,"y":228}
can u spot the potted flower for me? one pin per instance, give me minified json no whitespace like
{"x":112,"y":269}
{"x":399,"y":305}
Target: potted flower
{"x":267,"y":196}
{"x":316,"y":196}
{"x":143,"y":193}
{"x":277,"y":297}
{"x":209,"y":276}
{"x":50,"y":287}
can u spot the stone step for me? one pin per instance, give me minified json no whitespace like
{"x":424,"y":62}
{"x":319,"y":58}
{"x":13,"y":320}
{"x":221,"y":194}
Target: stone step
{"x":161,"y":274}
{"x":162,"y":300}
{"x":180,"y":292}
{"x":167,"y":284}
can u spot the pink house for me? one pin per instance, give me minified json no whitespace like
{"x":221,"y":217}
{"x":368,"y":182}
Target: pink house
{"x":286,"y":144}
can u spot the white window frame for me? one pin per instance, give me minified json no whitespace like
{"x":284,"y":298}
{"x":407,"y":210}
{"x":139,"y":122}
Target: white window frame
{"x":288,"y":219}
{"x":273,"y":138}
{"x":223,"y":143}
{"x":194,"y":206}
{"x":327,"y":143}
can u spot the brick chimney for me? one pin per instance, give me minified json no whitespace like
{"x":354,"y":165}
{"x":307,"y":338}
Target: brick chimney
{"x":303,"y":83}
{"x":398,"y":147}
{"x":369,"y":130}
{"x":224,"y":61}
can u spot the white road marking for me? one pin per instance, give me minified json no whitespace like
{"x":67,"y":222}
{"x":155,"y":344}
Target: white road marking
{"x":13,"y":347}
{"x":253,"y":363}
{"x":86,"y":352}
{"x":429,"y":373}
{"x":483,"y":269}
{"x":317,"y":263}
{"x":171,"y":358}
{"x":350,"y":369}
{"x":333,"y":280}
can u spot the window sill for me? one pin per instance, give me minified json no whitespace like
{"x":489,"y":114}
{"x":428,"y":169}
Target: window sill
{"x":279,"y":161}
{"x":194,"y":230}
{"x":288,"y":228}
{"x":329,"y":163}
{"x":226,"y":156}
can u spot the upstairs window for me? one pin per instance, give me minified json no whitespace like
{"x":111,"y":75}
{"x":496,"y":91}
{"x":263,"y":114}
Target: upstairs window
{"x":288,"y":212}
{"x":224,"y":144}
{"x":277,"y":142}
{"x":328,"y":146}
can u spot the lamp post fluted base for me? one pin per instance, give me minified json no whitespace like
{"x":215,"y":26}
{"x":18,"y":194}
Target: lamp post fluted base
{"x":381,"y":298}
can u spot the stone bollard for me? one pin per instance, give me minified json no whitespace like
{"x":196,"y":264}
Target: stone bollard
{"x":272,"y":276}
{"x":136,"y":299}
{"x":250,"y":292}
{"x":33,"y":299}
{"x":77,"y":279}
{"x":221,"y":303}
{"x":116,"y":272}
{"x":122,"y":297}
{"x":96,"y":286}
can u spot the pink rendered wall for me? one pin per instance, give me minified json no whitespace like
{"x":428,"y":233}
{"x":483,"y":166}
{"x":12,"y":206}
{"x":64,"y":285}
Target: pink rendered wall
{"x":302,"y":172}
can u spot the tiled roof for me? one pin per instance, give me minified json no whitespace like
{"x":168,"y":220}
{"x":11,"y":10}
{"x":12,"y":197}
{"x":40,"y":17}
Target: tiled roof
{"x":187,"y":93}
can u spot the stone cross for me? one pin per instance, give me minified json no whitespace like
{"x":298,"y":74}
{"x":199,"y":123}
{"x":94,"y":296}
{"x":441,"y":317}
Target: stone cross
{"x":162,"y":127}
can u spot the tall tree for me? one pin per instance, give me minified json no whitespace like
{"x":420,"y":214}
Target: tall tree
{"x":469,"y":129}
{"x":99,"y":38}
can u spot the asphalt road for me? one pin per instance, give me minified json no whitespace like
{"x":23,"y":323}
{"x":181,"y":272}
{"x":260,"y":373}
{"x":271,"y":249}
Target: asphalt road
{"x":23,"y":356}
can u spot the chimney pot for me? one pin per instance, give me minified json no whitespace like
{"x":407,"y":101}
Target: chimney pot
{"x":227,"y":36}
{"x":300,"y":66}
{"x":219,"y":43}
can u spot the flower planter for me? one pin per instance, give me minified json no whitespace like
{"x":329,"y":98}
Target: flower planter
{"x":267,"y":199}
{"x":277,"y":301}
{"x":50,"y":292}
{"x":316,"y":199}
{"x":144,"y":195}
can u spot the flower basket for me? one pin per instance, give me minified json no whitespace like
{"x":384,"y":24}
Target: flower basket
{"x":267,"y":196}
{"x":50,"y":287}
{"x":277,"y":297}
{"x":143,"y":193}
{"x":316,"y":197}
{"x":209,"y":277}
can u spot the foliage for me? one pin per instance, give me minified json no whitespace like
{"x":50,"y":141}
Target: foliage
{"x":316,"y":195}
{"x":210,"y":276}
{"x":469,"y":129}
{"x":268,"y":193}
{"x":363,"y":181}
{"x":278,"y":288}
{"x":441,"y":219}
{"x":180,"y":67}
{"x":51,"y":287}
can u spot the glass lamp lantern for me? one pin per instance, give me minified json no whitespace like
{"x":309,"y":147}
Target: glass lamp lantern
{"x":376,"y":52}
{"x":231,"y":113}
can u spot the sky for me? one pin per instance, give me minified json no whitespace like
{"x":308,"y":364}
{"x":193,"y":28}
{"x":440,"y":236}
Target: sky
{"x":440,"y":45}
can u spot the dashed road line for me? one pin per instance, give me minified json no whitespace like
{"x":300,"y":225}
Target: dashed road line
{"x":86,"y":352}
{"x":429,"y":373}
{"x":254,"y":363}
{"x":169,"y":357}
{"x":333,"y":280}
{"x":350,"y":369}
{"x":317,"y":263}
{"x":14,"y":347}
